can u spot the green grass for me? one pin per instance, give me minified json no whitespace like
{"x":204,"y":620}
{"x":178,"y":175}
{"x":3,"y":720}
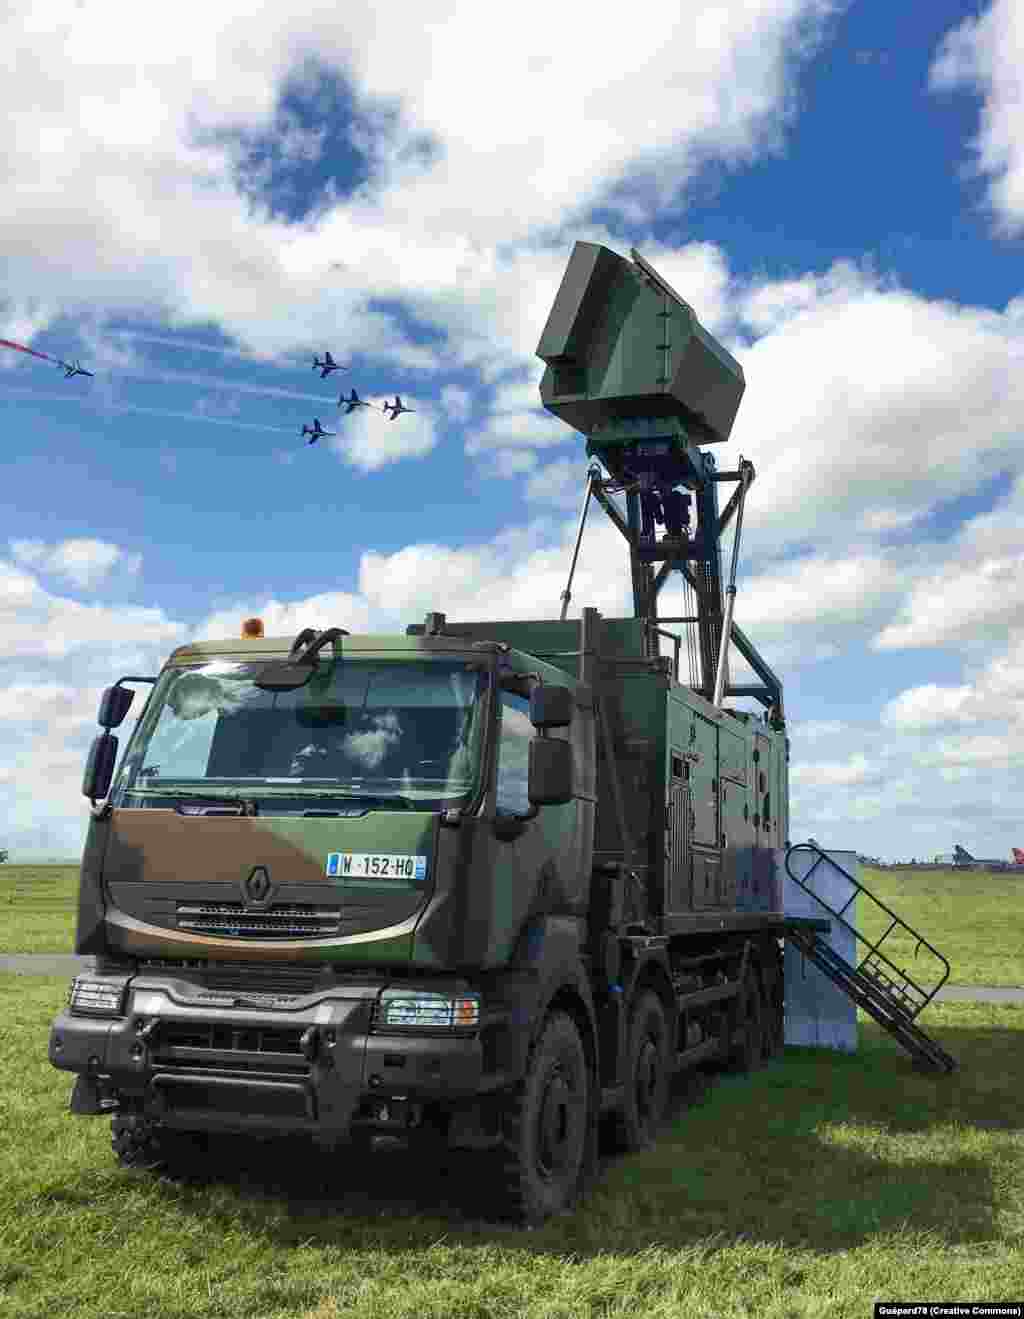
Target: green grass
{"x":38,"y":908}
{"x":809,"y":1189}
{"x":974,"y":920}
{"x":980,"y":937}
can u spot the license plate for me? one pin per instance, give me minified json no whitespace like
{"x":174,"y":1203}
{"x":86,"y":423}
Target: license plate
{"x":402,"y":866}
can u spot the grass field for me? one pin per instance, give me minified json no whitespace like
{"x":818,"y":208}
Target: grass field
{"x":812,"y":1188}
{"x":980,"y":936}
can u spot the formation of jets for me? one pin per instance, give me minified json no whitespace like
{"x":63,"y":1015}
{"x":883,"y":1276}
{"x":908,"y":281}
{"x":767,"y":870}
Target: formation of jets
{"x":353,"y":401}
{"x":324,"y":366}
{"x":315,"y":431}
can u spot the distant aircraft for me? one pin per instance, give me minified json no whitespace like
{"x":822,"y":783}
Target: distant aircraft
{"x":962,"y":859}
{"x":75,"y":369}
{"x":315,"y":431}
{"x":326,"y":366}
{"x":353,"y":402}
{"x":397,"y":407}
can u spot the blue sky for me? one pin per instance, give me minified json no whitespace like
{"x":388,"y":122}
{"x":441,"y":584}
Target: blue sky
{"x":837,"y":189}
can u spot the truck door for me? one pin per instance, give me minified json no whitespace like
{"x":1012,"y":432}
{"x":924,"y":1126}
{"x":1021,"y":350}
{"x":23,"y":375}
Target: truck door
{"x":737,"y":825}
{"x":704,"y":785}
{"x":677,"y":843}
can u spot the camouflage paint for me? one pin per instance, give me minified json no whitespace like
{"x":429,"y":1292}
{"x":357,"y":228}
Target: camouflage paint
{"x":157,"y":858}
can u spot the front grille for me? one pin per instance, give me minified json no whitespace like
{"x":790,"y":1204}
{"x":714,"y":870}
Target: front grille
{"x":260,"y":977}
{"x":228,"y":1047}
{"x":281,"y":920}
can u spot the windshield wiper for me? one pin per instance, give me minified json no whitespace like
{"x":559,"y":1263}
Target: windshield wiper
{"x":368,"y":799}
{"x":215,"y":805}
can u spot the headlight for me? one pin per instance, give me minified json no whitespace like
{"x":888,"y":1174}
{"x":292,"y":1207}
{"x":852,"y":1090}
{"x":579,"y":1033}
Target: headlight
{"x":409,"y":1009}
{"x":96,"y":998}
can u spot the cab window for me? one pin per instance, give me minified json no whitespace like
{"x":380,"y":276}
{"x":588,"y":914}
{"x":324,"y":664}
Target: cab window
{"x":513,"y":755}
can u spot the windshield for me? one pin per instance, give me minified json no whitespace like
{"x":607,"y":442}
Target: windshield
{"x":374,"y":730}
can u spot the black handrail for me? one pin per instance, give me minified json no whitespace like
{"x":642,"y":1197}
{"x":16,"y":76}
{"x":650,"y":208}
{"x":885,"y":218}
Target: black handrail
{"x":875,"y":947}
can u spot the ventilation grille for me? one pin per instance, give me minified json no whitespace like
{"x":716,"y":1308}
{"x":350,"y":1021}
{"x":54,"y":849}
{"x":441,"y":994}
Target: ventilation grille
{"x":281,"y":920}
{"x":220,"y":1046}
{"x":265,"y":977}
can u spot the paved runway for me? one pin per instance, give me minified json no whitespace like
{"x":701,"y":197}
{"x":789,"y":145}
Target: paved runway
{"x":55,"y":964}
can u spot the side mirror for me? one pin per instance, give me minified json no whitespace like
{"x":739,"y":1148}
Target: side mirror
{"x":550,"y":773}
{"x":551,"y":707}
{"x":114,"y":705}
{"x":99,"y":768}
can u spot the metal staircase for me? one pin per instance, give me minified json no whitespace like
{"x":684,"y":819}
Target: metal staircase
{"x":886,"y":992}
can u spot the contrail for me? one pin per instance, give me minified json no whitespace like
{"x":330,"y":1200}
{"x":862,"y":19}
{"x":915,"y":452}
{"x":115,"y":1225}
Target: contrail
{"x":151,"y":412}
{"x":198,"y":378}
{"x":166,"y":342}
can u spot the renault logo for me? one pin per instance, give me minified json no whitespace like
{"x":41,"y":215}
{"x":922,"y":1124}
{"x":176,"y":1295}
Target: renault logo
{"x":257,"y":888}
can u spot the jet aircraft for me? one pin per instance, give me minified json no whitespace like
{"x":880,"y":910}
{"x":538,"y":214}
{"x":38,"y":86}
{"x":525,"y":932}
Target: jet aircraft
{"x":326,"y":366}
{"x":75,"y":369}
{"x":397,"y":407}
{"x":353,"y":402}
{"x":315,"y":431}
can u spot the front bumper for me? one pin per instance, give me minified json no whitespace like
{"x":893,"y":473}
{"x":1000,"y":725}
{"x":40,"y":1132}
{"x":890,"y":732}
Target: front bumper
{"x":314,"y":1065}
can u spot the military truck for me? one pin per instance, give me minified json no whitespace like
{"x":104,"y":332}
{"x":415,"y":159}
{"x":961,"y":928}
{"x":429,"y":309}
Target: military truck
{"x":489,"y":884}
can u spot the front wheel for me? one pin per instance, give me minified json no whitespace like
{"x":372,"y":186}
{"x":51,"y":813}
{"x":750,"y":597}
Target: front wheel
{"x":143,"y":1145}
{"x":647,"y":1076}
{"x":545,"y":1125}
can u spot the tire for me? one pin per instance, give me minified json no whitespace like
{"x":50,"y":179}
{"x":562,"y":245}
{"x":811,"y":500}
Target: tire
{"x":647,"y":1077}
{"x":145,"y":1146}
{"x":747,"y":1050}
{"x":546,"y":1124}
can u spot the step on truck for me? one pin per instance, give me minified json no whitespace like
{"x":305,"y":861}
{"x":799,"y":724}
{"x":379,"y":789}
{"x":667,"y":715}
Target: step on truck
{"x":488,"y":884}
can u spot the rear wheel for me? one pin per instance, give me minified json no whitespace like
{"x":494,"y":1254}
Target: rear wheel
{"x":647,"y":1079}
{"x":545,"y":1125}
{"x":747,"y":1053}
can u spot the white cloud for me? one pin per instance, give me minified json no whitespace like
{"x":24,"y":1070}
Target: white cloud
{"x":994,"y":695}
{"x":836,"y":774}
{"x":815,"y":730}
{"x":974,"y":594}
{"x":986,"y":54}
{"x":84,"y":562}
{"x":123,"y":140}
{"x":870,"y":405}
{"x":928,"y":706}
{"x":369,"y":441}
{"x":562,"y":483}
{"x":36,"y":625}
{"x":280,"y":619}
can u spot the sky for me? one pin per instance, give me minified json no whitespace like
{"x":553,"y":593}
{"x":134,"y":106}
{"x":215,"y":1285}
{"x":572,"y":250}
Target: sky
{"x":199,"y":198}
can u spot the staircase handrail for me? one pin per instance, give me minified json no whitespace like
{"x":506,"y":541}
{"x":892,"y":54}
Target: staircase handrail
{"x":875,"y":948}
